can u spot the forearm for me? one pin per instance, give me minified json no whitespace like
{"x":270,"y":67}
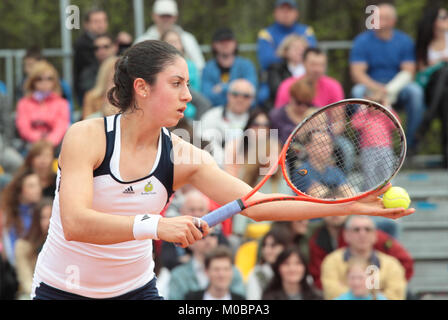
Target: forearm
{"x":95,"y":227}
{"x":292,"y":210}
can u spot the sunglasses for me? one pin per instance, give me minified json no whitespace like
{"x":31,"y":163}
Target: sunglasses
{"x":237,"y":94}
{"x":96,"y":48}
{"x":301,"y":103}
{"x":442,"y":16}
{"x":358,"y":229}
{"x":44,"y":78}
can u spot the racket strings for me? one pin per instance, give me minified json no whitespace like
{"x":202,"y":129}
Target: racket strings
{"x":322,"y":149}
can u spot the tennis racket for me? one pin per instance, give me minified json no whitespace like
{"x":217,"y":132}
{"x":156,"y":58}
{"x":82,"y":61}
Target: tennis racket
{"x":343,"y":152}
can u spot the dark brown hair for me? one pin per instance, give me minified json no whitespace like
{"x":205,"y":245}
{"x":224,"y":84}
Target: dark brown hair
{"x":217,"y":253}
{"x":275,"y":284}
{"x":11,"y":200}
{"x":36,"y":149}
{"x":35,"y":234}
{"x":144,"y":60}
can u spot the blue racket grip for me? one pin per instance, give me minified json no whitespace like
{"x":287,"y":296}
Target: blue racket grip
{"x":223,"y":213}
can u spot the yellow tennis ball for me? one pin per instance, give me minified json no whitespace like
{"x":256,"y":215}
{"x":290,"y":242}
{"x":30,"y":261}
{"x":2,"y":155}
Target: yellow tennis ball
{"x":396,"y":197}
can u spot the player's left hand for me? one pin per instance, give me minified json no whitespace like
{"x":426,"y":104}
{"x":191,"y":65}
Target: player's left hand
{"x":372,"y":205}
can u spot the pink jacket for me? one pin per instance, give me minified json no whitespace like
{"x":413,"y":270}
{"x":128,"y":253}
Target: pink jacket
{"x":49,"y":119}
{"x":377,"y":136}
{"x":328,"y":90}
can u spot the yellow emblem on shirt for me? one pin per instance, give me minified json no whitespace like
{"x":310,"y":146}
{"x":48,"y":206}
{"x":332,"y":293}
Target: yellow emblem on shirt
{"x":265,"y":35}
{"x":149,"y":187}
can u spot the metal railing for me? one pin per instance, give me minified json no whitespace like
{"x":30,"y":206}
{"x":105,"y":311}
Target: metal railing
{"x":14,"y":60}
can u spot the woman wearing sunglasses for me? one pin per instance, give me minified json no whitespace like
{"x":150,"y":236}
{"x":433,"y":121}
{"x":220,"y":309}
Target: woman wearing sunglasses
{"x":432,"y":58}
{"x":43,"y":114}
{"x":299,"y":107}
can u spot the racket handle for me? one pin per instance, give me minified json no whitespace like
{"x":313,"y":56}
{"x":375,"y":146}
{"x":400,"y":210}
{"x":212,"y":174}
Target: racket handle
{"x":223,"y":213}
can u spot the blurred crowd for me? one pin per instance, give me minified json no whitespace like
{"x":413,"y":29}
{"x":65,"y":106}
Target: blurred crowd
{"x":241,"y":259}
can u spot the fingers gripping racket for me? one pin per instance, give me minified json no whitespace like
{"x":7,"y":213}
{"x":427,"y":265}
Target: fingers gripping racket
{"x":343,"y":152}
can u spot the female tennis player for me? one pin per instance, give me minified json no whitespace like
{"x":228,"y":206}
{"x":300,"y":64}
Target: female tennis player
{"x":116,"y":175}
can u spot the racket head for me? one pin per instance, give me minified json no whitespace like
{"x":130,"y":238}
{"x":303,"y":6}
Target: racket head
{"x":344,"y":151}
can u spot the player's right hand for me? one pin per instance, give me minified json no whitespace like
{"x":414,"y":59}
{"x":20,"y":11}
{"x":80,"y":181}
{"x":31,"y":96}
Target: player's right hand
{"x":181,"y":230}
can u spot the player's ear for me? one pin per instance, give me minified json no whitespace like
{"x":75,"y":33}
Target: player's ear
{"x":141,"y":88}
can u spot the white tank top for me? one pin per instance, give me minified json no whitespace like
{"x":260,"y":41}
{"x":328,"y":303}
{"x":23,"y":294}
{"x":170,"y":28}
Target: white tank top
{"x":104,"y":271}
{"x":436,"y":56}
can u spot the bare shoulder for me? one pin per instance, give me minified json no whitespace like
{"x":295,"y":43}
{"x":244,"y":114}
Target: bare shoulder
{"x":84,"y":139}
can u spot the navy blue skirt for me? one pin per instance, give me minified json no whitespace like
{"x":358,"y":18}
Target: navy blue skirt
{"x":147,"y":292}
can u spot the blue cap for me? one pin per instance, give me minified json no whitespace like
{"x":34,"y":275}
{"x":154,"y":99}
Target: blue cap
{"x":291,"y":3}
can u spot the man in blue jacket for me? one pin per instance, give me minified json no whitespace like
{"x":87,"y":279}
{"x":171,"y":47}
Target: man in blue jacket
{"x":226,"y":66}
{"x":286,"y":14}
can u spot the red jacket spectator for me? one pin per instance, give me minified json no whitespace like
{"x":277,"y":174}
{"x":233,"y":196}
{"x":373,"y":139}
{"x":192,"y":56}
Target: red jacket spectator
{"x":43,"y":113}
{"x":47,"y":120}
{"x":321,"y":245}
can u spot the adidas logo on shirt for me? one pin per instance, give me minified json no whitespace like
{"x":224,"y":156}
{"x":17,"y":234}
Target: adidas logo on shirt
{"x":129,"y":190}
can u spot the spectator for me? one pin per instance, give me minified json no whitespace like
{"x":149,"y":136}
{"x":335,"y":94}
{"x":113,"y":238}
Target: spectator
{"x":218,"y":266}
{"x":173,"y":37}
{"x":225,"y":67}
{"x":329,"y":236}
{"x":327,"y":89}
{"x":291,"y":52}
{"x":194,"y":204}
{"x":271,"y":245}
{"x":43,"y":113}
{"x":104,"y":48}
{"x":18,"y":199}
{"x":191,"y":276}
{"x":300,"y":233}
{"x":432,"y":66}
{"x":323,"y":178}
{"x":40,"y":161}
{"x":286,"y":14}
{"x":299,"y":107}
{"x":432,"y":38}
{"x":360,"y":235}
{"x":383,"y":60}
{"x":96,"y":103}
{"x":32,"y":56}
{"x":10,"y":159}
{"x":165,"y":14}
{"x":249,"y":158}
{"x":381,"y":148}
{"x":123,"y":41}
{"x":95,"y":22}
{"x":226,"y":123}
{"x":290,"y":280}
{"x":28,"y":247}
{"x":357,"y":282}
